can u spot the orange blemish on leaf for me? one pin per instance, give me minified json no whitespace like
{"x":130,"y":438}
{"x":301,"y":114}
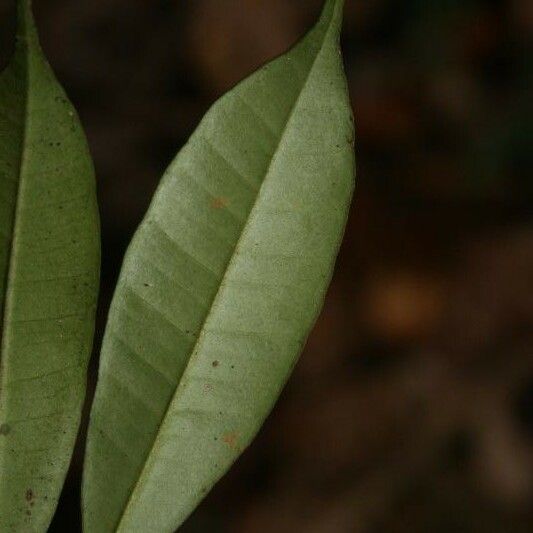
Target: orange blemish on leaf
{"x":219,"y":203}
{"x":231,"y":439}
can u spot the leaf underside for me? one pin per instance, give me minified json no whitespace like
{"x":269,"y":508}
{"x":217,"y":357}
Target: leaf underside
{"x":220,"y":287}
{"x":49,"y":264}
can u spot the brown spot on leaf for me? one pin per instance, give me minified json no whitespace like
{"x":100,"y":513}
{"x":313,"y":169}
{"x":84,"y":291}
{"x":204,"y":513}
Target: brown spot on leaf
{"x":219,"y":203}
{"x":30,"y":495}
{"x":215,"y":364}
{"x":231,"y":439}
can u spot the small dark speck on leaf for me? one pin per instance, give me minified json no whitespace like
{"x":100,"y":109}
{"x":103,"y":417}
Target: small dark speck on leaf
{"x":215,"y":364}
{"x":5,"y":429}
{"x":30,"y":495}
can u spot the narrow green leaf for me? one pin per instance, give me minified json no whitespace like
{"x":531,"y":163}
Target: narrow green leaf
{"x":49,"y":263}
{"x":220,"y":287}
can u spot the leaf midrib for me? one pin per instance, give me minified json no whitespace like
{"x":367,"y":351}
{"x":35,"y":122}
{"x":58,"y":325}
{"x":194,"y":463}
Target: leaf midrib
{"x":11,"y":256}
{"x":226,"y":270}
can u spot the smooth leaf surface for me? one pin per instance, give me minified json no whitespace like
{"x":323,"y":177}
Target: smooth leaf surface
{"x":220,"y":287}
{"x":49,"y":263}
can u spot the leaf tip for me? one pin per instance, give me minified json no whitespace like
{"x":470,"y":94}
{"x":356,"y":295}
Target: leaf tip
{"x":26,"y":30}
{"x":332,"y":16}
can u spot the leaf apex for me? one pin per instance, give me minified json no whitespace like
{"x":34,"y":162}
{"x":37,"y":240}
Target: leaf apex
{"x":332,"y":14}
{"x":26,"y":29}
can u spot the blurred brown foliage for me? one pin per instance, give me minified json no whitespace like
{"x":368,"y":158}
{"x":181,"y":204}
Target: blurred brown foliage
{"x":411,"y":409}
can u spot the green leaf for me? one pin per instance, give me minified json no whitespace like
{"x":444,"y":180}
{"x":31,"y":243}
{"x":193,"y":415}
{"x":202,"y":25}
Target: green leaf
{"x":49,"y":263}
{"x":220,"y":287}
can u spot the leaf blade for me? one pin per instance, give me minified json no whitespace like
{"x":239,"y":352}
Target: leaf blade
{"x":49,"y":264}
{"x":220,"y":287}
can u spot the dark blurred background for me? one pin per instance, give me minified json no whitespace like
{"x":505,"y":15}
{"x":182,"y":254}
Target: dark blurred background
{"x":412,"y":407}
